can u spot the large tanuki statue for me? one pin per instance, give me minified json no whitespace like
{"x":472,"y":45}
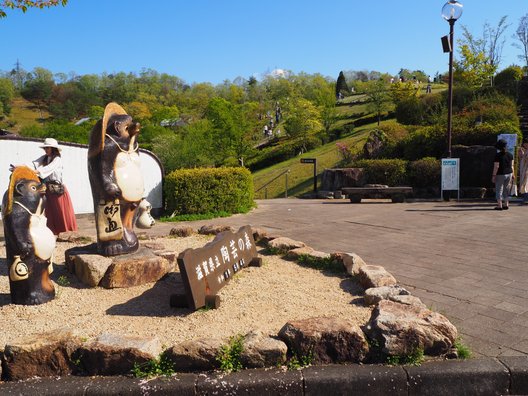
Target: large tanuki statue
{"x":116,"y":180}
{"x":29,"y":242}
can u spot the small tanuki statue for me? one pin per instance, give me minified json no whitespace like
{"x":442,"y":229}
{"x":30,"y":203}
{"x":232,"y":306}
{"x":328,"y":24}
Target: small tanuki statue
{"x":29,"y":242}
{"x":116,"y":180}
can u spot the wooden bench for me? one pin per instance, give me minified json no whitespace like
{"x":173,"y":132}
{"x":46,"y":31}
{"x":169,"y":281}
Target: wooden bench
{"x":396,"y":194}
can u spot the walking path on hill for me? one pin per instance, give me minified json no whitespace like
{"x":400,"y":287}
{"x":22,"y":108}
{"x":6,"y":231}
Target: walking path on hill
{"x":463,"y":259}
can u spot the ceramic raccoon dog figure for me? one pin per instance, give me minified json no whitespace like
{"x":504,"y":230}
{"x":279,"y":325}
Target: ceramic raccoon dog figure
{"x":29,"y":242}
{"x":116,"y":180}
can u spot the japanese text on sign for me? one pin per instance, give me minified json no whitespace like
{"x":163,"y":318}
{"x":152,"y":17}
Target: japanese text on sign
{"x":206,"y":270}
{"x":450,"y":173}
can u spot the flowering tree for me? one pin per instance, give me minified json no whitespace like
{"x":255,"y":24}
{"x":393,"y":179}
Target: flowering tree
{"x":25,"y":4}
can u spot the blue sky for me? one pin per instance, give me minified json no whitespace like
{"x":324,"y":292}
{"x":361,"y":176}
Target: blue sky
{"x":214,"y":40}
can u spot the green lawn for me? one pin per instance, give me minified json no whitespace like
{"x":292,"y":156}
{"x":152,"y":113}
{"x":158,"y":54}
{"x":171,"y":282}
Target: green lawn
{"x":23,"y":113}
{"x":300,"y":178}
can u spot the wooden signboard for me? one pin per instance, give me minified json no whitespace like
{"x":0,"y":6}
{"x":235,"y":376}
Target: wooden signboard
{"x":206,"y":270}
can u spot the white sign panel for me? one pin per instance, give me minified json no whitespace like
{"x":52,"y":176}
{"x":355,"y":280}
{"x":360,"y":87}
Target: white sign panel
{"x":450,"y":173}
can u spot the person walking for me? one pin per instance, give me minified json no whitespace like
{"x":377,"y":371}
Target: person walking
{"x":59,"y":208}
{"x":523,"y":170}
{"x":502,"y":175}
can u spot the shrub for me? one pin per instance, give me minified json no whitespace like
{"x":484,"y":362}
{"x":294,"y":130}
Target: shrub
{"x":209,"y":190}
{"x":507,"y":80}
{"x":484,"y":134}
{"x":410,"y":111}
{"x":424,"y":172}
{"x":428,"y":141}
{"x":492,"y":109}
{"x":384,"y":171}
{"x":395,"y":135}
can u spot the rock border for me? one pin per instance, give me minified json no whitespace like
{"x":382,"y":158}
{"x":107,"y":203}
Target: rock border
{"x":400,"y":325}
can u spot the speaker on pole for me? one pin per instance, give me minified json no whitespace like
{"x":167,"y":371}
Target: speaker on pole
{"x":446,"y":44}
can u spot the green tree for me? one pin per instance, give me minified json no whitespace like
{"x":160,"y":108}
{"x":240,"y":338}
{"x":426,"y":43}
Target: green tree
{"x":473,"y":68}
{"x":341,"y":85}
{"x":303,"y":120}
{"x":490,"y":44}
{"x":190,"y":149}
{"x":378,"y":97}
{"x":24,"y":5}
{"x":226,"y":130}
{"x":400,"y":91}
{"x":7,"y":92}
{"x":38,"y":89}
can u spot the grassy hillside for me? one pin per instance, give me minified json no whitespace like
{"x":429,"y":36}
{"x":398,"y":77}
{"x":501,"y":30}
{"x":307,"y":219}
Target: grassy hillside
{"x":300,"y":177}
{"x":23,"y":113}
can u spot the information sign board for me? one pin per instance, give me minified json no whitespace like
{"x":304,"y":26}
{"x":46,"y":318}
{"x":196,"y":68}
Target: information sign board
{"x":451,"y":174}
{"x":206,"y":270}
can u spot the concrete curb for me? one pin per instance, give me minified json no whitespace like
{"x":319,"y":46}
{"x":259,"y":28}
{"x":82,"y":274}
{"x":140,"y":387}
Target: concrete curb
{"x":490,"y":376}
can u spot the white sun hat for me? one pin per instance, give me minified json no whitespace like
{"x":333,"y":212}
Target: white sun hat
{"x":50,"y":142}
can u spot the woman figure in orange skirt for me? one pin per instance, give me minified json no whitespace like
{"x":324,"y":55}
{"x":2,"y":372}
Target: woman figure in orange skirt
{"x":59,"y":208}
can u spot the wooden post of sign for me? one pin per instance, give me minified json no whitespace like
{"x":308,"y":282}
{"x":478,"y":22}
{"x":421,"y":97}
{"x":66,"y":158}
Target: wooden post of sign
{"x":314,"y":162}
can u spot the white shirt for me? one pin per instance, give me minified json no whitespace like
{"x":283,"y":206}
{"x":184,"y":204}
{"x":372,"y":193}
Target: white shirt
{"x":52,"y":171}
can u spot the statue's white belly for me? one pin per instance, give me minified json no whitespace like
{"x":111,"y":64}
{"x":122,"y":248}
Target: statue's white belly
{"x":42,"y":236}
{"x":129,"y":177}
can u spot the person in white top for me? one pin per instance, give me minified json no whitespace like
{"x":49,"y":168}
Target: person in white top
{"x":59,"y":208}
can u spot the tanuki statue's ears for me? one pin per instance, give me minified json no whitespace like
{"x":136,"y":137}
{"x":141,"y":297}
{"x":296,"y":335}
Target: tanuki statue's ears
{"x":97,"y":137}
{"x":19,"y":173}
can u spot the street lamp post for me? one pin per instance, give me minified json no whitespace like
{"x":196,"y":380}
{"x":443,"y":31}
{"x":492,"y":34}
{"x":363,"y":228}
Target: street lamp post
{"x":451,"y":11}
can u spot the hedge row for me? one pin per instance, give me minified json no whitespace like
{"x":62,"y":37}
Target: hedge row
{"x":209,"y":190}
{"x":272,"y":155}
{"x":431,"y":141}
{"x":396,"y":172}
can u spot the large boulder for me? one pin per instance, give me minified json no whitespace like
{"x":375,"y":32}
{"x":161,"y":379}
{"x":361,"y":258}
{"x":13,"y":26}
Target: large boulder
{"x":260,"y":350}
{"x":214,"y":229}
{"x":336,"y":179}
{"x":284,"y":244}
{"x":476,"y":165}
{"x":113,"y":354}
{"x":402,"y":329}
{"x":40,"y":355}
{"x":135,"y":269}
{"x":375,"y":276}
{"x":181,"y":231}
{"x":325,"y":340}
{"x":306,"y":251}
{"x":195,"y":355}
{"x":351,"y":261}
{"x":375,"y":144}
{"x":375,"y":294}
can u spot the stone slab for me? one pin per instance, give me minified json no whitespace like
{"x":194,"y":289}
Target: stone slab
{"x":135,"y":269}
{"x":354,"y":380}
{"x":474,"y":376}
{"x":252,"y":382}
{"x":518,"y":367}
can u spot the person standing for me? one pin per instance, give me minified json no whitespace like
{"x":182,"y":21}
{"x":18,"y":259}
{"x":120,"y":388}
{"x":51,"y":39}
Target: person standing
{"x":523,"y":170}
{"x":59,"y":208}
{"x":502,"y":175}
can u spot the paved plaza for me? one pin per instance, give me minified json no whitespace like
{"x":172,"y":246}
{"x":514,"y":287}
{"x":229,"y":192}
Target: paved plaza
{"x":463,"y":259}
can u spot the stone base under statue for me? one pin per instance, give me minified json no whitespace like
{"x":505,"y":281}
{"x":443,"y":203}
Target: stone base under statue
{"x":144,"y":266}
